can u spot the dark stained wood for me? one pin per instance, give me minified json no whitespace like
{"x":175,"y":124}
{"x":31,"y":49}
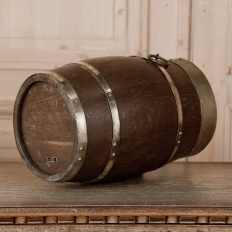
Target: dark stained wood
{"x":98,"y":118}
{"x":147,"y":112}
{"x":48,"y":129}
{"x":190,"y":107}
{"x":178,"y":197}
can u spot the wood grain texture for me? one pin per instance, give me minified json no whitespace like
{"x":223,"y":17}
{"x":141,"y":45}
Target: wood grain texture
{"x":138,"y":96}
{"x":191,"y":110}
{"x":98,"y":119}
{"x":147,"y":116}
{"x":48,"y":129}
{"x":181,"y":185}
{"x":120,"y":228}
{"x":193,"y":196}
{"x":146,"y":106}
{"x":72,"y":30}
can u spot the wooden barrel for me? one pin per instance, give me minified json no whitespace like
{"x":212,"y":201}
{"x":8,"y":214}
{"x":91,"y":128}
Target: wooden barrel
{"x":111,"y":118}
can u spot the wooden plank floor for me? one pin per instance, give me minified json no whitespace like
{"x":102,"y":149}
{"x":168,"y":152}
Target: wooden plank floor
{"x":178,"y":194}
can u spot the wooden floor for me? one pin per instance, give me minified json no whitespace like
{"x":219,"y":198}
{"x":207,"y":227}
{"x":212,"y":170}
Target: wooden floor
{"x":197,"y":196}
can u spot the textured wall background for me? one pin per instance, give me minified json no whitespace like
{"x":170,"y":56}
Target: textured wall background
{"x":40,"y":35}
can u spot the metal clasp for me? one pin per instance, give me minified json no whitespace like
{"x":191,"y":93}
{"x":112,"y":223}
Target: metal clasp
{"x":158,"y":60}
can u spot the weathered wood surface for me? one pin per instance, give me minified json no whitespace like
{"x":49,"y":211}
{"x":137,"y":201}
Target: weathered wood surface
{"x":179,"y":197}
{"x":177,"y":184}
{"x":48,"y":128}
{"x":117,"y":228}
{"x":98,"y":119}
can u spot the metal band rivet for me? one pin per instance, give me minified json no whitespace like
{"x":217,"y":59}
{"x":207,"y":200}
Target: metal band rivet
{"x":115,"y":118}
{"x":179,"y":113}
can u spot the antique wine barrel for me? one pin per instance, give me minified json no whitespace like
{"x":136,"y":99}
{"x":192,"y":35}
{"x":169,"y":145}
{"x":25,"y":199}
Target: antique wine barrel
{"x":111,"y":118}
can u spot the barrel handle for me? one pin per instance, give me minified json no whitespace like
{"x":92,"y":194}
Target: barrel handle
{"x":158,"y":60}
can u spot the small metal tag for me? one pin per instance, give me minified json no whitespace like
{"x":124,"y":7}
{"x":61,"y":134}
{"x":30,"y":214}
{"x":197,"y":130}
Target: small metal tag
{"x":52,"y":159}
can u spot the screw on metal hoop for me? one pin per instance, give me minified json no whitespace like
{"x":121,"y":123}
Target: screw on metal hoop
{"x":158,"y":60}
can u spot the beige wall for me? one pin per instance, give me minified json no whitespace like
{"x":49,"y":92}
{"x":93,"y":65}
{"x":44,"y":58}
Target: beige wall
{"x":40,"y":34}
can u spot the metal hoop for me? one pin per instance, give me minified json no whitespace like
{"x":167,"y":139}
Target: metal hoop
{"x":177,"y":98}
{"x":207,"y":104}
{"x":115,"y":118}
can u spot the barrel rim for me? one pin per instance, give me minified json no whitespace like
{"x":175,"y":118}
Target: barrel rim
{"x":75,"y":107}
{"x":207,"y":104}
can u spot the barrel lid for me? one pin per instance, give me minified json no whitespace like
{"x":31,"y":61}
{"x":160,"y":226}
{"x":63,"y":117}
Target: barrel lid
{"x":50,"y":127}
{"x":207,"y":104}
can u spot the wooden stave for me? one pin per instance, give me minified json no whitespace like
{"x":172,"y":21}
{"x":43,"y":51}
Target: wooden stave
{"x":120,"y":169}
